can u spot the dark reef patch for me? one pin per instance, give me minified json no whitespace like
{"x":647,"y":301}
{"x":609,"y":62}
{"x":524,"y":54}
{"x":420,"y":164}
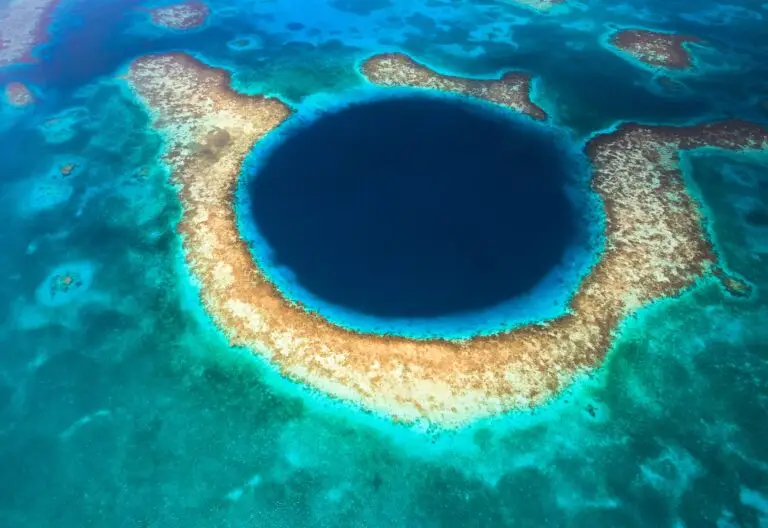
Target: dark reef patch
{"x":757,"y":217}
{"x":416,"y":207}
{"x":360,"y":8}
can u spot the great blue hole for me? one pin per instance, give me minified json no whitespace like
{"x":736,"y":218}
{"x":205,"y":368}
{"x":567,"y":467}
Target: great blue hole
{"x":415,"y":207}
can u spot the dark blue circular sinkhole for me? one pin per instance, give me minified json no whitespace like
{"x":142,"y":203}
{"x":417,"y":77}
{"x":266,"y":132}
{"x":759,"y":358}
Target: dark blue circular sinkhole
{"x":416,"y":207}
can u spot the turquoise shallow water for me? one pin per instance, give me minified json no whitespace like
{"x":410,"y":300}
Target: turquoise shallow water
{"x":121,"y":405}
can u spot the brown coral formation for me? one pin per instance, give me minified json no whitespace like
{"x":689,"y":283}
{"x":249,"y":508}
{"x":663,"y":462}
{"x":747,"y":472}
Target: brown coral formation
{"x":735,"y":286}
{"x":64,"y":282}
{"x":655,"y":247}
{"x":655,"y":49}
{"x":186,"y":15}
{"x":396,"y":69}
{"x":18,"y":94}
{"x":67,"y":169}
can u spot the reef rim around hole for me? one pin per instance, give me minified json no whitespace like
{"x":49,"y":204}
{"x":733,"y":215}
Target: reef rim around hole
{"x":544,"y":299}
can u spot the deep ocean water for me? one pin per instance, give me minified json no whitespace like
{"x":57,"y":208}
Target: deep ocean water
{"x":420,"y":215}
{"x":122,"y":405}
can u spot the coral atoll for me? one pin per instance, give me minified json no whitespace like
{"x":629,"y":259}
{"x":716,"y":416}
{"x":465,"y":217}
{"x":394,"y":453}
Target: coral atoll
{"x":655,"y":247}
{"x":655,"y":49}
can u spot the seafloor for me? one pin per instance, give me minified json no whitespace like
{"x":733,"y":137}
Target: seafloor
{"x":121,"y":402}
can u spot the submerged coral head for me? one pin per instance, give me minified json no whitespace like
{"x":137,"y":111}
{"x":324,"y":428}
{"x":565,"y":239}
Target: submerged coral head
{"x":184,"y":15}
{"x":18,"y":94}
{"x":414,"y":206}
